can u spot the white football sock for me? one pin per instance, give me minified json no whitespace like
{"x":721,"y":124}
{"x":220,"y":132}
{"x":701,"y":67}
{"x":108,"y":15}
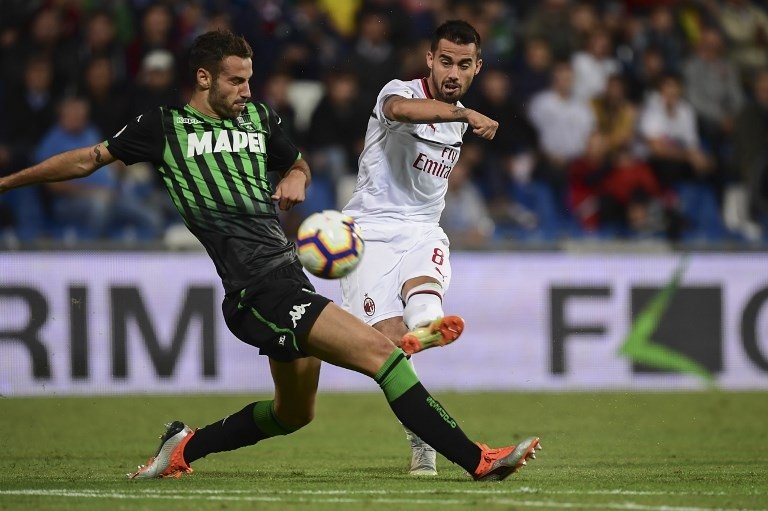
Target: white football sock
{"x":423,"y":304}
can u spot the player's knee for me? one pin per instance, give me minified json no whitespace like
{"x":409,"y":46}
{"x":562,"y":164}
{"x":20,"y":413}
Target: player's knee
{"x":379,"y":351}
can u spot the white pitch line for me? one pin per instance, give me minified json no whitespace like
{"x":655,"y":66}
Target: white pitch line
{"x":482,"y":491}
{"x":242,"y":497}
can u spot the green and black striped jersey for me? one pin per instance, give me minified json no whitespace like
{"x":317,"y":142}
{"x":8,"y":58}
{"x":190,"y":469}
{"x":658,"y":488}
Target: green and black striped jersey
{"x":215,"y":171}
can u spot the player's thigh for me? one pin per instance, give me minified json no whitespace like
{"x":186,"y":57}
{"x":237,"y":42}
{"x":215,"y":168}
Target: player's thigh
{"x":295,"y":389}
{"x":275,"y":313}
{"x":429,"y":257}
{"x":371,"y":291}
{"x":339,"y":338}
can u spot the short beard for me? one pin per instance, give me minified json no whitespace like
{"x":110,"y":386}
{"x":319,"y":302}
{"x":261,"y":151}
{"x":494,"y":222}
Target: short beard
{"x":439,"y":93}
{"x":218,"y":104}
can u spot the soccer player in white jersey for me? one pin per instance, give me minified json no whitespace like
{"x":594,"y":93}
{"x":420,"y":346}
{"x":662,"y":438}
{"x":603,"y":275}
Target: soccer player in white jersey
{"x":413,"y":141}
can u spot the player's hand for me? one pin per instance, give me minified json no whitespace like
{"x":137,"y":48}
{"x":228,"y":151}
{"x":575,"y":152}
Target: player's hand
{"x":482,"y":126}
{"x":290,"y":190}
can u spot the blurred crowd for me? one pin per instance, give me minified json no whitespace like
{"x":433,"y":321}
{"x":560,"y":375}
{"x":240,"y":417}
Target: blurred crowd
{"x":631,"y":119}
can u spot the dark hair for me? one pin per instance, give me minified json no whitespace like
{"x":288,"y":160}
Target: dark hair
{"x":209,"y":49}
{"x":456,"y":31}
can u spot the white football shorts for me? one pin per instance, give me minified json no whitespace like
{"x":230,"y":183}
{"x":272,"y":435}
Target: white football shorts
{"x":394,"y":254}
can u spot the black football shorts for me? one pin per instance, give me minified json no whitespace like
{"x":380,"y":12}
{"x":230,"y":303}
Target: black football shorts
{"x":276,"y":313}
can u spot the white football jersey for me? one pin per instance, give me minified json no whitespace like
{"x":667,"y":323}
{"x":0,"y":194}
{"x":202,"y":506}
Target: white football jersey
{"x":404,"y":168}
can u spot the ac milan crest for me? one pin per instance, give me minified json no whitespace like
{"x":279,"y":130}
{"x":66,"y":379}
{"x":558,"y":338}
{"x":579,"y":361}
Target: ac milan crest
{"x":368,"y":306}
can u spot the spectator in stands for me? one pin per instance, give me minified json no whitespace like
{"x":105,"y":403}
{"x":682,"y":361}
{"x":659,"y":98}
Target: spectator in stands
{"x":156,"y":34}
{"x":275,"y":95}
{"x":616,"y":20}
{"x":30,"y":109}
{"x":88,"y":208}
{"x":499,"y":43}
{"x":593,"y":66}
{"x":45,"y":39}
{"x":647,"y":74}
{"x":668,"y":128}
{"x":632,"y":201}
{"x":426,"y":16}
{"x":550,"y":20}
{"x":534,"y":73}
{"x":412,"y":61}
{"x":613,"y":193}
{"x":12,"y":25}
{"x":616,"y":116}
{"x":662,"y":33}
{"x":585,"y":176}
{"x":584,"y":22}
{"x":192,"y":21}
{"x":564,"y":123}
{"x":714,"y":90}
{"x":517,"y":135}
{"x":466,"y":218}
{"x":109,"y":104}
{"x":399,"y":30}
{"x":156,"y":84}
{"x":100,"y":42}
{"x":750,"y":163}
{"x":311,"y":44}
{"x":337,"y":129}
{"x":373,"y":56}
{"x":746,"y":27}
{"x":29,"y":112}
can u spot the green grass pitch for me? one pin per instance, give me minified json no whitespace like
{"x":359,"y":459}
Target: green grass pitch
{"x":692,"y":451}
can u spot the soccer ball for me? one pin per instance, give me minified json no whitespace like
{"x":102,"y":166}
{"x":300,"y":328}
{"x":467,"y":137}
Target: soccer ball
{"x":330,"y":245}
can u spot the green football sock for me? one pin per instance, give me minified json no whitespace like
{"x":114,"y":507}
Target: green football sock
{"x":423,"y":414}
{"x":253,"y":423}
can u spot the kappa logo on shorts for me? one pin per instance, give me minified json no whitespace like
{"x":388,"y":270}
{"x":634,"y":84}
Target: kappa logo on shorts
{"x":281,"y":341}
{"x":369,"y":306}
{"x":297,"y":312}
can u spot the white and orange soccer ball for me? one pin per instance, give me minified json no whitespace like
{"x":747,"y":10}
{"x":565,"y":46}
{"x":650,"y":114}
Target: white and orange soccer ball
{"x":330,"y":244}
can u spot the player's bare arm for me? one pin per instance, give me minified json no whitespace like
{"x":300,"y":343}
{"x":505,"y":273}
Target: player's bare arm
{"x":423,"y":111}
{"x":61,"y":167}
{"x":291,"y":189}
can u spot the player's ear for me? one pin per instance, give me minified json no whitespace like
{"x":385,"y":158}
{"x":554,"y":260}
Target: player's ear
{"x":204,"y":78}
{"x":479,"y":65}
{"x":430,"y":59}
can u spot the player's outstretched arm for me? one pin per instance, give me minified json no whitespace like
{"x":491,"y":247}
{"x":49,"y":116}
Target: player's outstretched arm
{"x":61,"y":167}
{"x":422,"y":111}
{"x":291,"y":189}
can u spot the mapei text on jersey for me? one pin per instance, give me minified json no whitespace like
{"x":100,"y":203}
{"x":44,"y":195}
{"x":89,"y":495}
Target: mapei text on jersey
{"x":229,"y":141}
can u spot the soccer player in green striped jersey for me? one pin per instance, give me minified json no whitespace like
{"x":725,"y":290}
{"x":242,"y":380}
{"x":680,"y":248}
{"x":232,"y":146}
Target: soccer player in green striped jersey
{"x":214,"y":155}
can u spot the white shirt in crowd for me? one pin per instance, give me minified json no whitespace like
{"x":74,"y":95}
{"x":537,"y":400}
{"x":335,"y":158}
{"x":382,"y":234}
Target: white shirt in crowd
{"x":563,"y":124}
{"x":590,"y":74}
{"x":677,"y":126}
{"x":404,"y":168}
